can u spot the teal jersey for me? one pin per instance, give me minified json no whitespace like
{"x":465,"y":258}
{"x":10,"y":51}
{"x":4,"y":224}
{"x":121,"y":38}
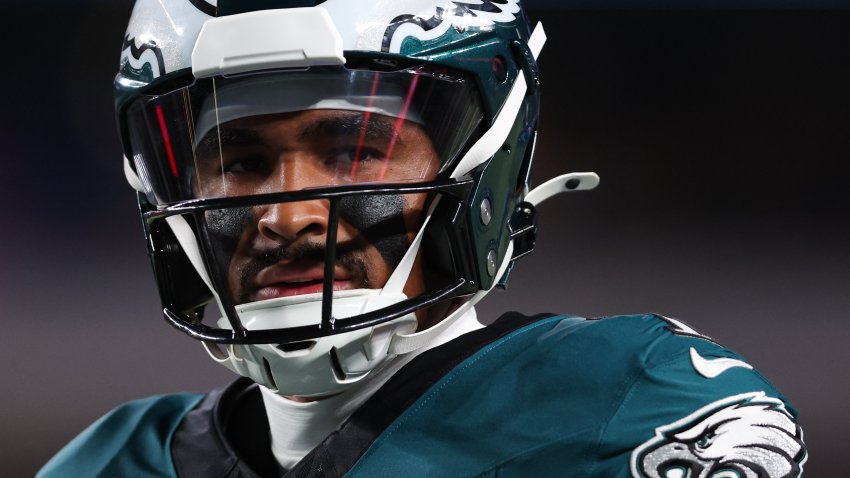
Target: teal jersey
{"x":132,"y":440}
{"x":629,"y":396}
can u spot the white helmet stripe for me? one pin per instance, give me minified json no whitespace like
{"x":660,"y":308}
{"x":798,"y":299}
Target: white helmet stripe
{"x":492,"y":140}
{"x":537,"y":40}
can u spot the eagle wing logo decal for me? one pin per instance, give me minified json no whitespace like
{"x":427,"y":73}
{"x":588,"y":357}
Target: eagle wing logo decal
{"x":744,"y":436}
{"x":208,"y":7}
{"x":463,"y":15}
{"x":144,"y":62}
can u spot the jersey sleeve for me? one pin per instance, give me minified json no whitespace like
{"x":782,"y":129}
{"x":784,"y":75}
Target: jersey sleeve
{"x":130,"y":441}
{"x":698,"y":409}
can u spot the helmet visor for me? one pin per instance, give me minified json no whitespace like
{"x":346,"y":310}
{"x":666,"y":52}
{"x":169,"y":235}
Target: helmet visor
{"x":288,"y":131}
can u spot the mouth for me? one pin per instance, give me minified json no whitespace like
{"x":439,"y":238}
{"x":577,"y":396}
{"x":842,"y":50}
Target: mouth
{"x":286,"y":280}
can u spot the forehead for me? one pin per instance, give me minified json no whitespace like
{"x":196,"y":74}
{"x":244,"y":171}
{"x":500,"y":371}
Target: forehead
{"x":321,"y":126}
{"x":329,"y":122}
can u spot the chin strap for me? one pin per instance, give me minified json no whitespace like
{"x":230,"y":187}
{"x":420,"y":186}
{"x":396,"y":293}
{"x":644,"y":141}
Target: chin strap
{"x":132,"y":177}
{"x":395,"y":284}
{"x":402,"y":344}
{"x":189,"y":243}
{"x":564,"y":183}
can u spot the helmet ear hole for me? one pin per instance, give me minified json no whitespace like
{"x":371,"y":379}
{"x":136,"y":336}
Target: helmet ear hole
{"x":180,"y":286}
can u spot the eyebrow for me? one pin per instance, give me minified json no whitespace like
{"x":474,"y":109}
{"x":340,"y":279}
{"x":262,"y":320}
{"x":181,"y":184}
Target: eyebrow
{"x":229,"y":137}
{"x":351,"y":124}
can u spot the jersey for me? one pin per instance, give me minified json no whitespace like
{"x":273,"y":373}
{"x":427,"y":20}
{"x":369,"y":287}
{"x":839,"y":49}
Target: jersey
{"x":629,"y":396}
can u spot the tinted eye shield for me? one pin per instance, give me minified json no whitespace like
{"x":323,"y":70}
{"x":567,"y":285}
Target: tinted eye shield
{"x":178,"y":141}
{"x":450,"y":190}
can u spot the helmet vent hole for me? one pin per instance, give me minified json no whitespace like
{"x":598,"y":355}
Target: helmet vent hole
{"x":296,"y":346}
{"x":337,"y":367}
{"x":267,"y":368}
{"x":499,"y":68}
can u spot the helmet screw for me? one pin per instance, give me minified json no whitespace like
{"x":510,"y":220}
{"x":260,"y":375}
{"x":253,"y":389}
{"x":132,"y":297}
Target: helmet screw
{"x":486,"y":211}
{"x":491,"y":262}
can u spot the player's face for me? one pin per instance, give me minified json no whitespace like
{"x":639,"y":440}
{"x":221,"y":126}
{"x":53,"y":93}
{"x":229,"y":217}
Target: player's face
{"x":277,"y":250}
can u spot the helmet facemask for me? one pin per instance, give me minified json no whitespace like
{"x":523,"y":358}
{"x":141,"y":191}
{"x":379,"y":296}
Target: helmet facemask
{"x":266,"y":177}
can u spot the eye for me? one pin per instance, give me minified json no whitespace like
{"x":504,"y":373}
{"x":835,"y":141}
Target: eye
{"x":246,"y":165}
{"x":348,"y":155}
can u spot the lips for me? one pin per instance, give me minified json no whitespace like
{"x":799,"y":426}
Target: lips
{"x":296,"y":278}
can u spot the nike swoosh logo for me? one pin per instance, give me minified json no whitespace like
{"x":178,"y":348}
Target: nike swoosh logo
{"x":711,"y":368}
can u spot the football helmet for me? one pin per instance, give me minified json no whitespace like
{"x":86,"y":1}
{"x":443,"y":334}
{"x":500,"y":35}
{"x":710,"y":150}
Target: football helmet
{"x":337,"y":180}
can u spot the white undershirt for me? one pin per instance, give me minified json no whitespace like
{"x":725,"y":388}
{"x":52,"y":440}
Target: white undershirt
{"x":298,"y":427}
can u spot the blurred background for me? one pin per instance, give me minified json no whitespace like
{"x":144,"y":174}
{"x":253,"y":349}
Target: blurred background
{"x":721,"y":133}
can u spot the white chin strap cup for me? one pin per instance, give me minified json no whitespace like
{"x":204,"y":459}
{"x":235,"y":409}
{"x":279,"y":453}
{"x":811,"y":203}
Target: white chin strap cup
{"x":316,"y":367}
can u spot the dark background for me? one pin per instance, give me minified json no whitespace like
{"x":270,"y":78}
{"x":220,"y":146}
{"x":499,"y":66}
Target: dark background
{"x":721,"y":137}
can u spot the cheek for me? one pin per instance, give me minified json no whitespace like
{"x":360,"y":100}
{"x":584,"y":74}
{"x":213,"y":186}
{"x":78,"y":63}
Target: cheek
{"x":227,"y":229}
{"x":380,"y":220}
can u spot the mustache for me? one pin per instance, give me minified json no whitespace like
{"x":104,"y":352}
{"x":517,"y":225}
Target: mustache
{"x":347,"y":256}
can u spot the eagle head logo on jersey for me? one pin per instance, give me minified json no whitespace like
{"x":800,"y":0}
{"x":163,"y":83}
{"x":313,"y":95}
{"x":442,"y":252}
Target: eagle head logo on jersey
{"x":745,"y":436}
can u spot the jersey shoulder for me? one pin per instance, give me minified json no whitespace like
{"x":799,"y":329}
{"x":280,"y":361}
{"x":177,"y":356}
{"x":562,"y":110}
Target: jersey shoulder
{"x":131,"y":440}
{"x":686,"y":403}
{"x":612,"y":397}
{"x":672,"y":352}
{"x":607,"y":355}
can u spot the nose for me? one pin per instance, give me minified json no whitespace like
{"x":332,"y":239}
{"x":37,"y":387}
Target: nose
{"x":289,"y":222}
